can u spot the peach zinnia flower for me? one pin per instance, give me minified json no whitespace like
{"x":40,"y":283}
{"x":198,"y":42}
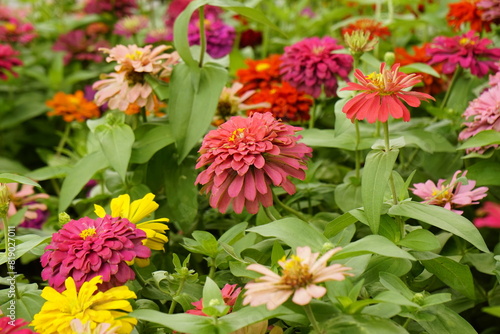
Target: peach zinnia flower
{"x":382,"y":94}
{"x":72,"y":107}
{"x":300,"y":276}
{"x":244,"y":156}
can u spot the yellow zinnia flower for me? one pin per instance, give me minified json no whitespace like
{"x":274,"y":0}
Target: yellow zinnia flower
{"x":135,"y":212}
{"x":111,"y":307}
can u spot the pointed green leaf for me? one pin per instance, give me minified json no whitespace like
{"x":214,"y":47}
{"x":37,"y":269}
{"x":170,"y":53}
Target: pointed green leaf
{"x":13,"y":178}
{"x":420,"y":240}
{"x":361,"y":324}
{"x":394,"y":283}
{"x":181,"y":322}
{"x":149,"y":142}
{"x":444,"y":321}
{"x":374,"y":244}
{"x":483,"y":138}
{"x":420,"y":68}
{"x":338,"y":224}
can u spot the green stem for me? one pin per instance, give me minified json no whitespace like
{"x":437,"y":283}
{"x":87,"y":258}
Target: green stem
{"x":390,"y":9}
{"x":312,"y":319}
{"x":357,"y":153}
{"x":265,"y":42}
{"x":316,"y":110}
{"x":269,"y":214}
{"x":203,"y":42}
{"x":5,"y":224}
{"x":143,"y":115}
{"x":294,"y":212}
{"x":63,"y":140}
{"x":212,"y":265}
{"x":177,"y":293}
{"x":138,"y":276}
{"x":457,"y":73}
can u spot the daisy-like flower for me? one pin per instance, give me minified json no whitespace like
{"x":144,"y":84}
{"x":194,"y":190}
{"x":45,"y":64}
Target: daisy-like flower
{"x":8,"y":59}
{"x":24,"y":196}
{"x":285,"y":103}
{"x":382,"y":94}
{"x":299,"y":278}
{"x":86,"y":248}
{"x":16,"y":326}
{"x":245,"y":156}
{"x":15,"y":31}
{"x":489,"y":216}
{"x":466,"y":11}
{"x":78,"y":45}
{"x":118,"y":8}
{"x":311,"y":66}
{"x":483,"y":113}
{"x":93,"y":308}
{"x":450,"y":195}
{"x":367,"y":25}
{"x":130,"y":25}
{"x":359,"y":41}
{"x":72,"y":107}
{"x":229,"y":294}
{"x":490,"y":10}
{"x":467,"y":51}
{"x":260,"y":74}
{"x":219,"y":36}
{"x":135,"y":212}
{"x":86,"y":328}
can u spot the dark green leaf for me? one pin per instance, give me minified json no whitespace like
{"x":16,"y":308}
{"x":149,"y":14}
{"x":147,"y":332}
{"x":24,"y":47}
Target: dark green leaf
{"x":150,"y":142}
{"x":485,"y":173}
{"x":483,"y":138}
{"x":338,"y":224}
{"x":420,"y":240}
{"x":444,"y":321}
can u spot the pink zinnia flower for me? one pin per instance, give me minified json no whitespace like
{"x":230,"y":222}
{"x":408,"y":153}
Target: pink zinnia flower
{"x":16,"y":326}
{"x":8,"y":60}
{"x":130,"y":25}
{"x":159,"y":35}
{"x":490,"y":216}
{"x":490,"y":10}
{"x":483,"y":113}
{"x":244,"y":156}
{"x":382,"y":94}
{"x":176,"y":7}
{"x":494,"y":78}
{"x":86,"y":248}
{"x":299,"y":278}
{"x":229,"y":294}
{"x":219,"y":36}
{"x":311,"y":66}
{"x":15,"y":31}
{"x":80,"y":46}
{"x":450,"y":195}
{"x":467,"y":51}
{"x":118,"y":8}
{"x":24,"y":196}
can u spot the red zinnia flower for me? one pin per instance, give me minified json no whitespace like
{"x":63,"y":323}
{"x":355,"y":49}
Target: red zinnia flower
{"x":244,"y":156}
{"x":86,"y":248}
{"x":373,"y":27}
{"x":466,"y":11}
{"x":286,"y":102}
{"x":16,"y":326}
{"x":311,"y":65}
{"x":229,"y":294}
{"x":8,"y":60}
{"x":382,"y":95}
{"x":489,"y":216}
{"x":260,"y":74}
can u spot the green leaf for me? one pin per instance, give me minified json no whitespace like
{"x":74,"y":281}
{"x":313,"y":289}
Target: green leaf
{"x":394,"y":283}
{"x":374,"y":244}
{"x":27,"y":302}
{"x":378,"y":168}
{"x":149,"y":142}
{"x":160,"y":87}
{"x":248,"y":316}
{"x":78,"y":177}
{"x":485,"y":173}
{"x":420,"y":240}
{"x":381,"y":264}
{"x":56,"y":72}
{"x":483,"y":138}
{"x":444,"y":321}
{"x":194,"y":96}
{"x":203,"y":243}
{"x":28,"y":242}
{"x":181,"y":322}
{"x":427,"y":141}
{"x":287,"y":230}
{"x":361,"y":324}
{"x":212,"y":299}
{"x":328,"y":138}
{"x":13,"y":178}
{"x":419,"y":68}
{"x":394,"y":297}
{"x":442,"y":218}
{"x":49,"y":172}
{"x":338,"y":224}
{"x":348,"y":196}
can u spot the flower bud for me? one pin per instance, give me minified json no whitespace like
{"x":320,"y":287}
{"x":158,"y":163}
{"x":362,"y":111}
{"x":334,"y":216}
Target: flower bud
{"x":4,"y":200}
{"x":359,"y":41}
{"x":389,"y":58}
{"x":63,"y":218}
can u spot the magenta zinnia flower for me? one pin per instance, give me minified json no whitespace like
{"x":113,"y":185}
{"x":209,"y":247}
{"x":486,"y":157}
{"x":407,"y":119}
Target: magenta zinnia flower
{"x":467,"y":51}
{"x":118,"y":8}
{"x":482,"y":114}
{"x":244,"y":156}
{"x":229,"y":294}
{"x":15,"y":31}
{"x":490,"y":216}
{"x":16,"y":326}
{"x":310,"y":66}
{"x":382,"y":94}
{"x":8,"y":60}
{"x":299,"y":278}
{"x":219,"y":36}
{"x":80,"y":46}
{"x":86,"y":248}
{"x":450,"y":195}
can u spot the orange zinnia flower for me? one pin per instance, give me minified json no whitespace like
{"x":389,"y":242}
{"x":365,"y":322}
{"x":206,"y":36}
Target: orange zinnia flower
{"x":466,"y":11}
{"x":373,"y":27}
{"x":72,"y":107}
{"x":260,"y":74}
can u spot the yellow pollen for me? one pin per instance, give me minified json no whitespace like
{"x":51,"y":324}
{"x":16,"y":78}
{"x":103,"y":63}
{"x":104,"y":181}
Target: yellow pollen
{"x":442,"y":194}
{"x":9,"y":26}
{"x":238,"y":133}
{"x":262,"y":67}
{"x":87,"y":232}
{"x":465,"y":41}
{"x":134,"y":56}
{"x":295,"y":273}
{"x":377,"y":79}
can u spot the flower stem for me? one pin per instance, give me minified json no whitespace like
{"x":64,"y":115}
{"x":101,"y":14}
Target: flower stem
{"x":213,"y":267}
{"x":390,"y":9}
{"x":177,"y":293}
{"x":457,"y":73}
{"x":144,"y":116}
{"x":63,"y":140}
{"x":357,"y":153}
{"x":294,"y":212}
{"x":312,"y":319}
{"x":203,"y":42}
{"x":138,"y":276}
{"x":269,"y":214}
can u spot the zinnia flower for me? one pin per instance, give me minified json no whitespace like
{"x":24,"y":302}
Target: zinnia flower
{"x":482,"y":114}
{"x":299,"y":278}
{"x":490,"y":10}
{"x":73,"y":107}
{"x":489,"y":216}
{"x":78,"y":45}
{"x":25,"y":197}
{"x":8,"y":60}
{"x":466,"y":11}
{"x":367,"y":25}
{"x":494,"y":78}
{"x":260,"y":74}
{"x":219,"y":36}
{"x":175,"y":7}
{"x":135,"y":212}
{"x":15,"y":31}
{"x":467,"y":51}
{"x":16,"y":326}
{"x":118,"y":8}
{"x":86,"y":248}
{"x":92,"y":307}
{"x":130,"y":25}
{"x":285,"y":103}
{"x":450,"y":195}
{"x":359,"y":41}
{"x":103,"y":328}
{"x":244,"y":156}
{"x":382,"y":94}
{"x":159,"y":35}
{"x":312,"y":66}
{"x":229,"y":294}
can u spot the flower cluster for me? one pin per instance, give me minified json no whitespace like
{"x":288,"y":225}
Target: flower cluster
{"x":118,"y":8}
{"x":219,"y":36}
{"x":259,"y":74}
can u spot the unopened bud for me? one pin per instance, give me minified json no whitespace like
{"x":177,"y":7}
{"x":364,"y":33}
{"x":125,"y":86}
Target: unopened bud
{"x":63,"y":218}
{"x":326,"y":247}
{"x":389,"y":58}
{"x":214,"y":302}
{"x":360,"y":41}
{"x":4,"y":200}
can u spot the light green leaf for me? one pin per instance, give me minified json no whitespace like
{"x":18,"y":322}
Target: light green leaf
{"x":149,"y":142}
{"x":49,"y":172}
{"x":181,"y":322}
{"x":247,"y":316}
{"x":338,"y":224}
{"x":361,"y":324}
{"x":13,"y":178}
{"x":419,"y":68}
{"x":328,"y":138}
{"x":420,"y":240}
{"x":394,"y":297}
{"x":28,"y":242}
{"x":483,"y":138}
{"x":485,"y":173}
{"x":374,"y":244}
{"x":394,"y":283}
{"x":160,"y":87}
{"x":444,"y":321}
{"x":427,"y":141}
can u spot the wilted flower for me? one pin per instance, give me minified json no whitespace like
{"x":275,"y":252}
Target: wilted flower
{"x":130,"y":25}
{"x":489,"y":215}
{"x":260,"y":74}
{"x":8,"y":60}
{"x":229,"y":294}
{"x":382,"y":94}
{"x":72,"y":107}
{"x":299,"y":278}
{"x":78,"y":45}
{"x":450,"y":195}
{"x":367,"y":25}
{"x":219,"y":36}
{"x":490,"y":10}
{"x":25,"y":197}
{"x":467,"y":51}
{"x":15,"y":31}
{"x":359,"y":41}
{"x":311,"y":66}
{"x":92,"y":307}
{"x":466,"y":11}
{"x":244,"y":156}
{"x":118,"y":8}
{"x":86,"y":248}
{"x":16,"y":326}
{"x":483,"y":113}
{"x":284,"y":102}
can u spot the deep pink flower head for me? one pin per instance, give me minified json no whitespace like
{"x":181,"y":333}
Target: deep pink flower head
{"x":15,"y":31}
{"x":482,"y":114}
{"x":490,"y":10}
{"x":495,"y":78}
{"x":177,"y":6}
{"x":490,"y":215}
{"x":118,"y":8}
{"x":80,"y":46}
{"x":310,"y":66}
{"x":130,"y":25}
{"x":245,"y":156}
{"x":450,"y":195}
{"x":16,"y":326}
{"x":86,"y":248}
{"x":229,"y":294}
{"x":382,"y":94}
{"x":8,"y":60}
{"x":219,"y":36}
{"x":467,"y":51}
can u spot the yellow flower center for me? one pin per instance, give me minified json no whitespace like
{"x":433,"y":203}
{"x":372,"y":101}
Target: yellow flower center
{"x":135,"y":56}
{"x":295,"y":273}
{"x":9,"y":26}
{"x":376,"y":79}
{"x":87,"y":233}
{"x":442,"y":195}
{"x":318,"y":49}
{"x":465,"y":41}
{"x":238,"y":133}
{"x":262,"y":67}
